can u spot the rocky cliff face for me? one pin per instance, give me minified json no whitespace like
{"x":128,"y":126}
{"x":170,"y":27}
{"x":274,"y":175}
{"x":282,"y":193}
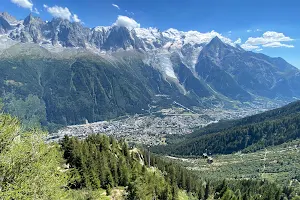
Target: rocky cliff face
{"x":4,"y":25}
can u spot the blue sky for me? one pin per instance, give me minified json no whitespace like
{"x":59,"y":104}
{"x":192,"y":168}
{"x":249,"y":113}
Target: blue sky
{"x":271,"y":27}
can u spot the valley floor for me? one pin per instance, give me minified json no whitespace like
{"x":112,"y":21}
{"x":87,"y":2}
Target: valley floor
{"x":152,"y":128}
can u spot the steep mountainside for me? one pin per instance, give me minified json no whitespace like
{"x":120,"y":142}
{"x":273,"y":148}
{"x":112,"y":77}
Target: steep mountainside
{"x":83,"y":86}
{"x":95,"y":73}
{"x":256,"y":73}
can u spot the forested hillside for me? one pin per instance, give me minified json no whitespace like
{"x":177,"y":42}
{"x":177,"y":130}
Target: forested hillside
{"x":77,"y":86}
{"x":248,"y":134}
{"x":97,"y":167}
{"x":102,"y":162}
{"x":121,"y":166}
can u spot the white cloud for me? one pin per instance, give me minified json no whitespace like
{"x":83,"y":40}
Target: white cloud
{"x":116,"y":6}
{"x":268,"y":39}
{"x":75,"y":18}
{"x":258,"y":50}
{"x":254,"y":30}
{"x":277,"y":44}
{"x":59,"y":12}
{"x":129,"y":13}
{"x":238,"y":41}
{"x":35,"y":10}
{"x":126,"y":22}
{"x":23,"y":3}
{"x":249,"y":47}
{"x":63,"y":13}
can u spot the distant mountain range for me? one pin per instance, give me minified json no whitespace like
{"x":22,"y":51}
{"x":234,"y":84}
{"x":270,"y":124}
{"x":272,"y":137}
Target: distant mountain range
{"x":92,"y":74}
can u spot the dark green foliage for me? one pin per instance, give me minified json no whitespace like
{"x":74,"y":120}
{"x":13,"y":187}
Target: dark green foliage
{"x":229,"y":195}
{"x":248,"y":134}
{"x":254,"y":189}
{"x":102,"y":162}
{"x":178,"y":176}
{"x":92,"y":158}
{"x":207,"y":190}
{"x":247,"y":189}
{"x":31,"y":111}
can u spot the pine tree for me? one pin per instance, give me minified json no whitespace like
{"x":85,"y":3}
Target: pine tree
{"x":239,"y":194}
{"x":207,"y":190}
{"x":200,"y":193}
{"x":30,"y":168}
{"x":182,"y":180}
{"x":229,"y":195}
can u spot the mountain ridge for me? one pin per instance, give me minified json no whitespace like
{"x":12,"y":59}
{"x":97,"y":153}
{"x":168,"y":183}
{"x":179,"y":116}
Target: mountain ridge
{"x":192,"y":68}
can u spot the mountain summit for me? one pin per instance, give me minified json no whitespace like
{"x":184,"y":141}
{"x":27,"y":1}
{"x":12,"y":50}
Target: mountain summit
{"x":4,"y":25}
{"x":10,"y":19}
{"x":216,"y":41}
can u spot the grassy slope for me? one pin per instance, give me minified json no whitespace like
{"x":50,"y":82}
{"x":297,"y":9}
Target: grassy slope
{"x":183,"y":195}
{"x":280,"y":164}
{"x":100,"y":194}
{"x":116,"y":194}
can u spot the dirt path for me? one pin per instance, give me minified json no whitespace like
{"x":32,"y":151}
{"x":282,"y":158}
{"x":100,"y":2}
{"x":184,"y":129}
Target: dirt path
{"x":117,"y":194}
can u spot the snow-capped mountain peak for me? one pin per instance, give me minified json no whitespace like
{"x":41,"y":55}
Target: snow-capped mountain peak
{"x":147,"y":33}
{"x":199,"y":64}
{"x":71,"y":34}
{"x":101,"y":28}
{"x":10,"y":19}
{"x":173,"y":34}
